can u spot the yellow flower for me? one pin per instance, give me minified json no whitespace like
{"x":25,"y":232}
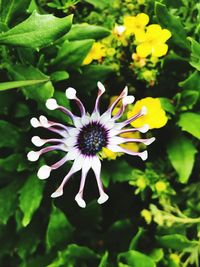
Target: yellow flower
{"x":152,"y":42}
{"x":139,"y":61}
{"x":146,"y":214}
{"x":175,"y":258}
{"x":107,"y":153}
{"x":136,"y":24}
{"x":141,"y":183}
{"x":97,"y":52}
{"x":155,"y":117}
{"x":119,"y":33}
{"x":160,"y":186}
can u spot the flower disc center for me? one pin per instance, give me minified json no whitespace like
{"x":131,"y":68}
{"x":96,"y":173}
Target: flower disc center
{"x":92,"y":138}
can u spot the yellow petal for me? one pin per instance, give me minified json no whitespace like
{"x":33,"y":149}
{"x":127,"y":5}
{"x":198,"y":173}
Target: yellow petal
{"x":142,"y":19}
{"x":165,"y":35}
{"x":140,"y":36}
{"x":87,"y":60}
{"x":143,"y":50}
{"x":153,"y":31}
{"x":159,"y":50}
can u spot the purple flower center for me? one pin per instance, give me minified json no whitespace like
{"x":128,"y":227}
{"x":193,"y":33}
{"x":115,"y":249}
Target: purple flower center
{"x":92,"y":138}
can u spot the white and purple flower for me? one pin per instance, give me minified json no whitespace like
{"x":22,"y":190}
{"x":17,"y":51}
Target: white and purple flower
{"x":83,"y":142}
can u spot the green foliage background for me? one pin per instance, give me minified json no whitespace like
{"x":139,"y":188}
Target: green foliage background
{"x":42,"y":47}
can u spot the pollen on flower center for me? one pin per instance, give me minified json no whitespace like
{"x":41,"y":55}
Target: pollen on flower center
{"x":92,"y":138}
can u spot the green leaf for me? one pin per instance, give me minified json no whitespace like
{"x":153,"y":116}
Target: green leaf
{"x":81,"y":252}
{"x":167,"y":105}
{"x":13,"y":163}
{"x":192,"y":82}
{"x":190,"y":122}
{"x":12,"y":9}
{"x":10,"y":135}
{"x":181,"y":153}
{"x":17,"y":84}
{"x":100,"y":4}
{"x":8,"y":201}
{"x":58,"y":76}
{"x":195,"y":55}
{"x":157,"y":254}
{"x":86,"y":31}
{"x":39,"y":92}
{"x":59,"y":230}
{"x":95,"y":72}
{"x":188,"y":99}
{"x":173,"y":24}
{"x":72,"y":54}
{"x":177,"y":242}
{"x":136,"y":259}
{"x":37,"y":31}
{"x":104,"y":260}
{"x":136,"y":238}
{"x":30,"y":198}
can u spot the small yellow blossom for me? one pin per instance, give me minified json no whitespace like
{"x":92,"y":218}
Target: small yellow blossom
{"x":97,"y":52}
{"x":152,"y":42}
{"x":155,"y":117}
{"x":160,"y":186}
{"x":141,"y":183}
{"x":119,"y":33}
{"x":146,"y":214}
{"x":136,"y":24}
{"x":139,"y":61}
{"x":107,"y":153}
{"x":175,"y":258}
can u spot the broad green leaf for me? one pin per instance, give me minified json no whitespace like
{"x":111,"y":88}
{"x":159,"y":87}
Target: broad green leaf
{"x":192,"y":82}
{"x":39,"y":92}
{"x":37,"y":31}
{"x":136,"y":259}
{"x":181,"y":153}
{"x":190,"y":122}
{"x":157,"y":254}
{"x":59,"y":230}
{"x":195,"y":55}
{"x":10,"y":9}
{"x":167,"y":105}
{"x":29,"y":238}
{"x":177,"y":242}
{"x":172,"y":23}
{"x":8,"y":201}
{"x":30,"y":198}
{"x":58,"y":76}
{"x":13,"y":163}
{"x":95,"y":72}
{"x":72,"y":54}
{"x":104,"y":260}
{"x":17,"y":84}
{"x":10,"y":135}
{"x":81,"y":252}
{"x":86,"y":31}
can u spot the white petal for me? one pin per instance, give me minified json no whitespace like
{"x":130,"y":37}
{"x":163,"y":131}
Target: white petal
{"x":35,"y":123}
{"x":105,"y":117}
{"x":80,"y":201}
{"x":57,"y":193}
{"x":71,"y":141}
{"x":101,"y":87}
{"x":33,"y":155}
{"x":77,"y":122}
{"x":103,"y":198}
{"x":78,"y":163}
{"x":115,"y":140}
{"x":149,"y":141}
{"x":44,"y":121}
{"x":44,"y":172}
{"x":73,"y":132}
{"x":37,"y":141}
{"x":144,"y":110}
{"x":72,"y":154}
{"x":95,"y":116}
{"x":143,"y":155}
{"x":128,"y":99}
{"x":85,"y":120}
{"x":51,"y":104}
{"x":144,"y":128}
{"x":70,"y":93}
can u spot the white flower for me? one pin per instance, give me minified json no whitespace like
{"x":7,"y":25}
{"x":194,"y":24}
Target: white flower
{"x":83,"y":142}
